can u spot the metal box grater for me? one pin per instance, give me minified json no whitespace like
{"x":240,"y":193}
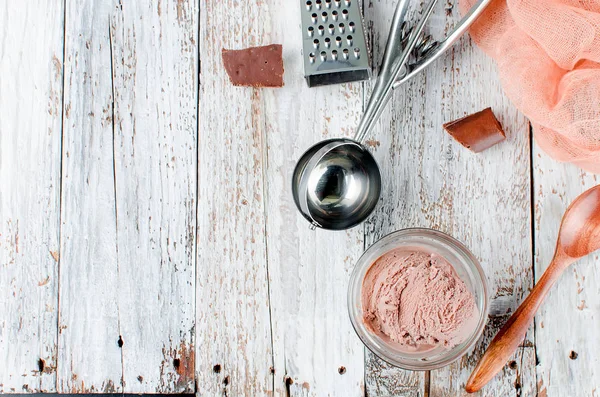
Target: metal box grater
{"x":334,"y":46}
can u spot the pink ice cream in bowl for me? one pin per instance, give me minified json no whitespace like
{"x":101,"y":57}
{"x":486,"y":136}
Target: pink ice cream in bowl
{"x":418,"y":299}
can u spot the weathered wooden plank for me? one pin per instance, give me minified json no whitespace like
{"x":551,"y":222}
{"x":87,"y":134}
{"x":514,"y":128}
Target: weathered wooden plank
{"x":315,"y":346}
{"x":89,"y":356}
{"x":431,"y":181}
{"x":31,"y":56}
{"x":154,"y":60}
{"x":567,"y":325}
{"x":233,"y":349}
{"x":128,"y":218}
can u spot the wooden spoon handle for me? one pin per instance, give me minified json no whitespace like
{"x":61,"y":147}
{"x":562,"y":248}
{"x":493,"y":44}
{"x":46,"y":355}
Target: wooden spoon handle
{"x":512,"y":333}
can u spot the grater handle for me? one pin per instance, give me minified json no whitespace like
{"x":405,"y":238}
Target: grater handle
{"x":460,"y":28}
{"x":394,"y":58}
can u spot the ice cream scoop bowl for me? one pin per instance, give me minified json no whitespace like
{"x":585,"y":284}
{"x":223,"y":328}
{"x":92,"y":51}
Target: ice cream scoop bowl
{"x":340,"y":184}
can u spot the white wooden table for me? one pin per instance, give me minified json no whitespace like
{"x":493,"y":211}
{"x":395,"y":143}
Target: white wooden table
{"x":149,"y":243}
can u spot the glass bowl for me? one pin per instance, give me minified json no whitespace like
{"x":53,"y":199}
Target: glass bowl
{"x":468,"y":270}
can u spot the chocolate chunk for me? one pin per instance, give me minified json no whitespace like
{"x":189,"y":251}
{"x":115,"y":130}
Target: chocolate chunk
{"x":255,"y":66}
{"x":478,"y":131}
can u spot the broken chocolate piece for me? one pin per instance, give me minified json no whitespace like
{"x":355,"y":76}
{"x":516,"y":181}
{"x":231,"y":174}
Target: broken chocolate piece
{"x":478,"y":131}
{"x":255,"y":66}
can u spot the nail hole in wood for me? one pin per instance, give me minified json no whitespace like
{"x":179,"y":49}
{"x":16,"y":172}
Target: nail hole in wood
{"x":41,"y":364}
{"x":226,"y":380}
{"x":573,"y":355}
{"x":512,"y":365}
{"x":140,"y":378}
{"x":288,"y":382}
{"x":342,"y":370}
{"x":217,"y":368}
{"x":176,"y":363}
{"x":120,"y":341}
{"x":272,"y":370}
{"x":517,"y":386}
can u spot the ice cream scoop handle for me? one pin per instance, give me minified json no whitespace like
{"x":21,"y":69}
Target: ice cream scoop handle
{"x":513,"y":332}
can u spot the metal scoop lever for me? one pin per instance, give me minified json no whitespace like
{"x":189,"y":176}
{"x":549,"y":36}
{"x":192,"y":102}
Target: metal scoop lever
{"x":441,"y":47}
{"x":391,"y":66}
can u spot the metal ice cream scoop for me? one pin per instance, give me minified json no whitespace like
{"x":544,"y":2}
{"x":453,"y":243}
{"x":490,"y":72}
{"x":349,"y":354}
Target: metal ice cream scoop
{"x":336,"y":183}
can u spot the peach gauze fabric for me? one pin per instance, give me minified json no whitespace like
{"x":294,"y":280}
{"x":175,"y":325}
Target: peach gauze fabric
{"x":548,"y":56}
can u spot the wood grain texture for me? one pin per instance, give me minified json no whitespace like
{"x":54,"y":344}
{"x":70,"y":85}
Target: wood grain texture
{"x":89,"y":357}
{"x":568,"y":363}
{"x":517,"y":378}
{"x":234,"y":350}
{"x":429,"y":180}
{"x":154,"y":60}
{"x":30,"y":130}
{"x":128,"y":217}
{"x":383,"y":379}
{"x":314,"y":343}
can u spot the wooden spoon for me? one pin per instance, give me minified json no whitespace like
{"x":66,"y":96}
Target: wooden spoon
{"x":579,"y":235}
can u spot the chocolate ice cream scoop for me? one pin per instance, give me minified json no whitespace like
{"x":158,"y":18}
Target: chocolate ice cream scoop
{"x":416,"y":299}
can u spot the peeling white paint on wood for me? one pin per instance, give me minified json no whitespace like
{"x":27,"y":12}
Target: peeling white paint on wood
{"x":233,"y":339}
{"x":568,"y":323}
{"x":129,"y":186}
{"x":154,"y":59}
{"x":89,"y":357}
{"x":30,"y":130}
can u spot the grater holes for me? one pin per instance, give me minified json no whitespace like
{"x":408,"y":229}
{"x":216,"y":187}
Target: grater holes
{"x":327,"y":42}
{"x":311,"y":31}
{"x":334,"y":15}
{"x":341,"y":27}
{"x":308,"y":5}
{"x":338,"y":41}
{"x":313,"y":17}
{"x":356,"y":52}
{"x":349,"y":40}
{"x":328,"y":3}
{"x":318,"y":4}
{"x":334,"y":55}
{"x":316,"y":43}
{"x":311,"y":57}
{"x":321,"y":30}
{"x":351,"y":26}
{"x":331,"y":28}
{"x":324,"y":16}
{"x":347,"y":3}
{"x":338,"y":3}
{"x":323,"y":56}
{"x":345,"y":14}
{"x":345,"y":53}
